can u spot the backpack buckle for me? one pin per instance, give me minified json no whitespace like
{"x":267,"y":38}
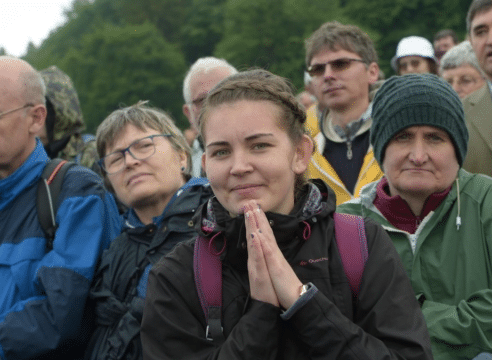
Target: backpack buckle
{"x":207,"y":336}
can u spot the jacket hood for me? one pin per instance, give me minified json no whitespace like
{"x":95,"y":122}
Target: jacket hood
{"x":64,"y":112}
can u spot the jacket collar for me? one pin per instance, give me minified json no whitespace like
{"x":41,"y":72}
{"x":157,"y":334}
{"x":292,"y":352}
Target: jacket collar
{"x":25,"y":176}
{"x":369,"y":191}
{"x":316,"y":199}
{"x":480,"y":118}
{"x":172,"y":208}
{"x":397,"y":211}
{"x":478,"y":95}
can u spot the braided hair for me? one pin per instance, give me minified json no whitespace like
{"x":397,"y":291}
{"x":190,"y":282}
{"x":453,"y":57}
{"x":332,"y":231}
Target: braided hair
{"x":259,"y":85}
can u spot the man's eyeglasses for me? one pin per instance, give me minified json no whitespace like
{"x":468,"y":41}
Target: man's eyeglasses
{"x":13,"y":110}
{"x":336,"y":66}
{"x":140,"y":149}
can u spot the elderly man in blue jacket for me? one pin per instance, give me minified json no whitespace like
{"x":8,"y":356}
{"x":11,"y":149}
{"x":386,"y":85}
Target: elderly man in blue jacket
{"x":43,"y":292}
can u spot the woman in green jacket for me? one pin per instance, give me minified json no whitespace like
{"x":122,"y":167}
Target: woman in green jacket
{"x":438,"y":215}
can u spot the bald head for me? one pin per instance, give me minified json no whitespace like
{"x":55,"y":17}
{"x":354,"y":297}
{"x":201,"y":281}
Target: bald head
{"x":20,"y":80}
{"x":22,"y":111}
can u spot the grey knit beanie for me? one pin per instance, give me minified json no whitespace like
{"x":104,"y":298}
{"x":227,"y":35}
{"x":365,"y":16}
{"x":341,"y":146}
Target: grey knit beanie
{"x":423,"y":99}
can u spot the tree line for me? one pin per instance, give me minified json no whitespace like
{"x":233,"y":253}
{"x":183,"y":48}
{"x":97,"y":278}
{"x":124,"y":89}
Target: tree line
{"x":118,"y":52}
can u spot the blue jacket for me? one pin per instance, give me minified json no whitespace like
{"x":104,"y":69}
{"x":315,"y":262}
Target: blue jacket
{"x":43,"y":294}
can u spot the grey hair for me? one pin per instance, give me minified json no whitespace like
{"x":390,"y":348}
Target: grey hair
{"x":203,"y":65}
{"x":142,"y":117}
{"x":459,"y":55}
{"x":30,"y":82}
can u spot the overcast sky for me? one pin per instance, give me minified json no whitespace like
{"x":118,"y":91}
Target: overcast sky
{"x":22,"y":21}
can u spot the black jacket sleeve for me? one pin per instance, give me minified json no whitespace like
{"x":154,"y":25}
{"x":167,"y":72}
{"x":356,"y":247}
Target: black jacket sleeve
{"x":388,"y":322}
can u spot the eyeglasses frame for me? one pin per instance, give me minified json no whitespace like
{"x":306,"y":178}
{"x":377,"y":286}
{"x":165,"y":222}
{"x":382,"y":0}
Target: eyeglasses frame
{"x":350,"y":60}
{"x":127,"y":149}
{"x":16,"y":109}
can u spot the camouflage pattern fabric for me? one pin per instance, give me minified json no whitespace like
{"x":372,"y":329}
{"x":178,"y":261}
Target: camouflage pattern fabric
{"x":86,"y":151}
{"x":69,"y":122}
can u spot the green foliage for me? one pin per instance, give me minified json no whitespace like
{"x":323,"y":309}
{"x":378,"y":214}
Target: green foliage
{"x":271,"y":34}
{"x":393,"y":20}
{"x":82,"y":19}
{"x":197,"y":25}
{"x":118,"y":52}
{"x":203,"y":29}
{"x":117,"y":66}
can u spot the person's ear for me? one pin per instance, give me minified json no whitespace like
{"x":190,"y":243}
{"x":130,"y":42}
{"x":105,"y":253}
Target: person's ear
{"x":187,"y":112}
{"x":204,"y":161}
{"x":303,"y":153}
{"x":37,"y":117}
{"x":183,"y":159}
{"x":373,"y":71}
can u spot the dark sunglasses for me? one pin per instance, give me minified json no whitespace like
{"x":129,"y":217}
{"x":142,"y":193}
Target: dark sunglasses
{"x":336,"y":66}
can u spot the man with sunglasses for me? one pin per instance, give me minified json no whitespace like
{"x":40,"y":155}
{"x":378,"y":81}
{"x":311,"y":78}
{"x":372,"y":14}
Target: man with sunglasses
{"x":342,"y":61}
{"x":43,"y":289}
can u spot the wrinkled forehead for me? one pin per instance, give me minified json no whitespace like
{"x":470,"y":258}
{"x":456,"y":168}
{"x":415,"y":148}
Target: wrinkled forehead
{"x":204,"y":80}
{"x":481,"y":18}
{"x":336,"y":46}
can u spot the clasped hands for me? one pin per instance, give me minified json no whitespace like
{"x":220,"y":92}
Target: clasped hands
{"x":271,"y":278}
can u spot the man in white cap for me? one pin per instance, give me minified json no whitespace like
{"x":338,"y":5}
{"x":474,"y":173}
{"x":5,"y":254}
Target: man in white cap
{"x":414,"y":55}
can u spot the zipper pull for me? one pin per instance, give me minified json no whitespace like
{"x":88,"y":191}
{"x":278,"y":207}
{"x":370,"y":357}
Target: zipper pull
{"x":349,"y":150}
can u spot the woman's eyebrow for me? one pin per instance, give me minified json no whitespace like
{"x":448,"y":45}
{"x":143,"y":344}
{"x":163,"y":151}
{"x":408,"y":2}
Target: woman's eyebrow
{"x":256,"y":136}
{"x":217,"y":143}
{"x":248,"y":138}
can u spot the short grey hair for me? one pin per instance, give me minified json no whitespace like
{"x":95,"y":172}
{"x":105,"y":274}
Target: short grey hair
{"x":459,"y":55}
{"x":30,"y":82}
{"x":203,"y":65}
{"x":34,"y":87}
{"x":142,"y":117}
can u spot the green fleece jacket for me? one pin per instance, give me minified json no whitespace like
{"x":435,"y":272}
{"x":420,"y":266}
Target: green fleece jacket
{"x":450,"y":265}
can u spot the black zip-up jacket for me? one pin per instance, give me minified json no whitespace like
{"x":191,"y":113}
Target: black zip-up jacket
{"x":384,"y":323}
{"x":114,"y":296}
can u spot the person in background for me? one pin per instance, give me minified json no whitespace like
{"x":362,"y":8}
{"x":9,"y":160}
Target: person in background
{"x":460,"y":68}
{"x":146,"y":160}
{"x":478,"y":106}
{"x":414,"y":55}
{"x":44,"y":287}
{"x":437,"y":214}
{"x":443,"y":41}
{"x":285,"y":293}
{"x":63,"y":134}
{"x":202,"y":76}
{"x":342,"y":61}
{"x":306,"y":99}
{"x":315,"y":110}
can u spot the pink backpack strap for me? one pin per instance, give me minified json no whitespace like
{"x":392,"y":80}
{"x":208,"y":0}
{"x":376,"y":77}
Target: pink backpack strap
{"x":207,"y":268}
{"x":350,"y":235}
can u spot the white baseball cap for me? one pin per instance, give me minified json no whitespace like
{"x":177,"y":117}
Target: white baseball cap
{"x":413,"y":46}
